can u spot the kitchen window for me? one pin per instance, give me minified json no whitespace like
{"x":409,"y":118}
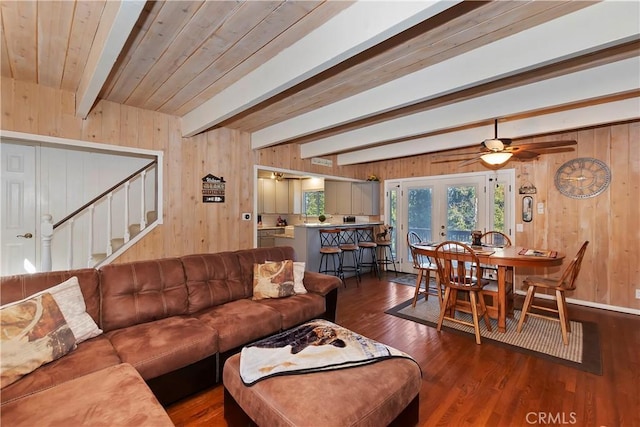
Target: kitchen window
{"x":313,"y":202}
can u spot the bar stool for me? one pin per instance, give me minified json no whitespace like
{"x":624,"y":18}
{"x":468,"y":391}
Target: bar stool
{"x":330,"y":249}
{"x":366,"y":243}
{"x":383,"y":240}
{"x":349,"y":245}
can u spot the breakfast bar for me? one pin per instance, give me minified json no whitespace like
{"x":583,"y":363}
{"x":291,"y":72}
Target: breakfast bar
{"x":306,"y":240}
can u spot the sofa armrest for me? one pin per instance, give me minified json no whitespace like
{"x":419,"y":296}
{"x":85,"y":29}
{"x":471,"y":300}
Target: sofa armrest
{"x":320,"y":283}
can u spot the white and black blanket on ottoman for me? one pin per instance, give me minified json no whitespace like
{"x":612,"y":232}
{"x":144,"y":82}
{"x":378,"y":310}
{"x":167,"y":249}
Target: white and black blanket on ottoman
{"x":315,"y":346}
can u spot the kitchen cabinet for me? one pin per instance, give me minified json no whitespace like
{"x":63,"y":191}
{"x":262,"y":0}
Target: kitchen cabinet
{"x":295,"y":196}
{"x":337,"y":197}
{"x":266,"y":238}
{"x":273,"y":196}
{"x":365,"y":198}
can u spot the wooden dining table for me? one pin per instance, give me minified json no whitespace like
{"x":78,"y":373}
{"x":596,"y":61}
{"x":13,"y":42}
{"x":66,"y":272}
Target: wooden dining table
{"x":504,"y":259}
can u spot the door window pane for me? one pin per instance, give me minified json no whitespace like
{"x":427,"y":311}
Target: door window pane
{"x":498,"y":208}
{"x":420,"y":212}
{"x":462,"y":212}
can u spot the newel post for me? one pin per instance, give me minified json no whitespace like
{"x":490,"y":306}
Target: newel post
{"x":46,"y":232}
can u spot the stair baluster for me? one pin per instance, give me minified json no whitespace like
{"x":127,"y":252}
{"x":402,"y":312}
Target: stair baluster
{"x":46,"y":231}
{"x":143,"y":220}
{"x":109,"y":225}
{"x":127,"y":234}
{"x":71,"y":222}
{"x":90,"y":237}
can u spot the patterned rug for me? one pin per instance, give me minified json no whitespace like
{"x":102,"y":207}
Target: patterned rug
{"x":403,"y":279}
{"x":539,"y":337}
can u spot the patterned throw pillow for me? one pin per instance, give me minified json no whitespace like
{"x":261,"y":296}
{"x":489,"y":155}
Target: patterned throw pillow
{"x":298,"y":277}
{"x":33,"y":332}
{"x":69,"y":297}
{"x":273,"y":280}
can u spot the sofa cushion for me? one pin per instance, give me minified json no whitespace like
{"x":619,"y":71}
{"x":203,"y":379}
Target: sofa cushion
{"x":214,"y":279}
{"x":114,"y":396}
{"x":21,"y":286}
{"x":240,"y":322}
{"x":90,"y":356}
{"x":273,"y":279}
{"x":142,"y":291}
{"x":162,"y":346}
{"x":297,"y":309}
{"x":33,"y":332}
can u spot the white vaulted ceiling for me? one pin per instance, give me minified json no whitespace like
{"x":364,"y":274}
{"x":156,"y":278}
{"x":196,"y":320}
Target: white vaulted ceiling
{"x":365,"y":80}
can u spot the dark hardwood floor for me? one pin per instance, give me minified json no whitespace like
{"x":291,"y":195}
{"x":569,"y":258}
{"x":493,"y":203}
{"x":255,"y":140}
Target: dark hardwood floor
{"x":465,"y":384}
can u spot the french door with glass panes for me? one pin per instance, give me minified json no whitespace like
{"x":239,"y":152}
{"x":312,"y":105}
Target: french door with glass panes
{"x":448,"y":207}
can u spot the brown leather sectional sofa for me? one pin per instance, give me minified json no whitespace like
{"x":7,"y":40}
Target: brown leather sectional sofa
{"x":171,"y":322}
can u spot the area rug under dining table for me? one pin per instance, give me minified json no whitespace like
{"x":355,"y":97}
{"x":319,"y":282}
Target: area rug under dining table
{"x":539,"y":337}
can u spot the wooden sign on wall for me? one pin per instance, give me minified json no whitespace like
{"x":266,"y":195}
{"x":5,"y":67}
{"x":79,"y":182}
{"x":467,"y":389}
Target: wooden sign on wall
{"x":213,"y":189}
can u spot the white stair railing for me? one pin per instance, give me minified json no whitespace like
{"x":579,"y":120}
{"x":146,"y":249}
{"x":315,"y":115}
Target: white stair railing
{"x":88,"y":213}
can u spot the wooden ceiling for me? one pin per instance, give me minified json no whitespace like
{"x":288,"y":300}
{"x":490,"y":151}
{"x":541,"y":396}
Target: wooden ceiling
{"x":193,"y":58}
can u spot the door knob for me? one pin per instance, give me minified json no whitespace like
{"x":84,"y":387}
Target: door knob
{"x":442,"y":234}
{"x":25,"y":235}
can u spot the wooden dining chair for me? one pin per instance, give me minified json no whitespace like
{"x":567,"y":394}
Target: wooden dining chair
{"x":458,"y":272}
{"x":424,"y":266}
{"x":499,"y":240}
{"x":566,"y":282}
{"x":495,"y":239}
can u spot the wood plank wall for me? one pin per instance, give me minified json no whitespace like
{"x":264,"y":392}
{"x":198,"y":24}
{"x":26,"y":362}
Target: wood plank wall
{"x":189,"y":225}
{"x":611,"y":221}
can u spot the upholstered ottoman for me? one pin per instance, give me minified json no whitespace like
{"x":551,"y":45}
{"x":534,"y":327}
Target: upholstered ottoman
{"x":382,"y":393}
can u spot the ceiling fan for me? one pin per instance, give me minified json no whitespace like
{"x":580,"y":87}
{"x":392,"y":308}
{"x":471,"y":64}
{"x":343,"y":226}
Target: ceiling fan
{"x":496,"y":151}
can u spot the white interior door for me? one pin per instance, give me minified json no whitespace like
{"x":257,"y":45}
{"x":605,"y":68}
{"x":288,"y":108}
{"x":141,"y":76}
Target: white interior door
{"x":18,"y":216}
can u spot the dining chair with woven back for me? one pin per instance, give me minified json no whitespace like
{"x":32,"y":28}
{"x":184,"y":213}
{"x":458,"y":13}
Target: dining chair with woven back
{"x":458,"y":270}
{"x":566,"y":282}
{"x":424,"y":266}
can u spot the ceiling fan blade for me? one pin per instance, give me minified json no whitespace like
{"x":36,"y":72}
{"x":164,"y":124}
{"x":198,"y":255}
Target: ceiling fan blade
{"x":450,"y":160}
{"x":533,"y":154}
{"x":460,"y":154}
{"x":540,"y":145}
{"x":468,"y":162}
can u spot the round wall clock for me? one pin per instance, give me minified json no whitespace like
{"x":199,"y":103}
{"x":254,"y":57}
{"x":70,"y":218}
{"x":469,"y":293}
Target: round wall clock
{"x":582,"y":178}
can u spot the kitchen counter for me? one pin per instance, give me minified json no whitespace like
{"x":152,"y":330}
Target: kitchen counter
{"x":337,"y":224}
{"x":270,"y":227}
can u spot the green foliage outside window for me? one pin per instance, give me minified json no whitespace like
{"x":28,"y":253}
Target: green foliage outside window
{"x":313,"y":203}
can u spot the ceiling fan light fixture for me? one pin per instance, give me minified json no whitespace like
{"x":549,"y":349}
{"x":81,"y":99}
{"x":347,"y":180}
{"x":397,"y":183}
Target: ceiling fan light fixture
{"x":278,"y":176}
{"x":496,"y":158}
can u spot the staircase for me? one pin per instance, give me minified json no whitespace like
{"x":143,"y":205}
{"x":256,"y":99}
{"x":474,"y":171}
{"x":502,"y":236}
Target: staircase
{"x":106,"y":226}
{"x":117,"y":243}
